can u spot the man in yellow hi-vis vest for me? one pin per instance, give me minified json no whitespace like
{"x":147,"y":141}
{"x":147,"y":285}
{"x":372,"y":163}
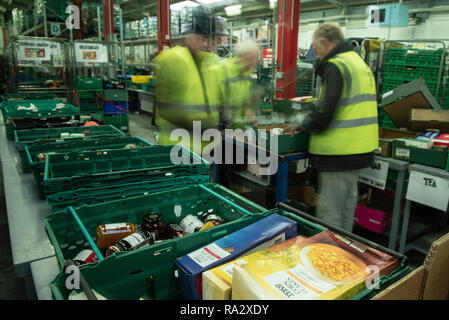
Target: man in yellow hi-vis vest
{"x":344,"y":128}
{"x":183,"y":92}
{"x":238,"y":94}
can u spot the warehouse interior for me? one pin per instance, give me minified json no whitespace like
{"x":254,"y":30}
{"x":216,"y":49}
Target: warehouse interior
{"x":94,"y":92}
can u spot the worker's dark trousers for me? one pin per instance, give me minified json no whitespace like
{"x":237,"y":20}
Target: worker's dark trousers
{"x":338,"y":198}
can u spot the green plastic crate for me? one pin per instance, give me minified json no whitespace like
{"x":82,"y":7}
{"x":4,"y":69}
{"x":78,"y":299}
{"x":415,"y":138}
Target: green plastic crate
{"x":89,"y":84}
{"x":89,"y":94}
{"x":67,"y":239}
{"x":120,"y":121}
{"x":88,"y":196}
{"x":35,"y":136}
{"x":45,"y":108}
{"x":65,"y":172}
{"x":116,"y":95}
{"x":158,"y":262}
{"x":286,"y":143}
{"x":435,"y":157}
{"x":37,"y":166}
{"x":13,"y":124}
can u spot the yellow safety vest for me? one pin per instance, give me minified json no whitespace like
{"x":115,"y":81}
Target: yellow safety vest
{"x":354,"y":129}
{"x":184,"y":93}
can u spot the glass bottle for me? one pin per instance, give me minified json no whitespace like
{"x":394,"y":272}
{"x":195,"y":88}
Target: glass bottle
{"x":154,"y":223}
{"x":140,"y":238}
{"x":174,"y":231}
{"x":84,"y":257}
{"x":109,"y":234}
{"x":215,"y":219}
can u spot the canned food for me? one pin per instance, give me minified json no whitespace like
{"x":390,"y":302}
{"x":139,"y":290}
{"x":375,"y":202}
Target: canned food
{"x":191,"y":224}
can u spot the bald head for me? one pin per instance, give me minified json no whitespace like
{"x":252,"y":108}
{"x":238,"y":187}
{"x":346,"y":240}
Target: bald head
{"x":248,"y":52}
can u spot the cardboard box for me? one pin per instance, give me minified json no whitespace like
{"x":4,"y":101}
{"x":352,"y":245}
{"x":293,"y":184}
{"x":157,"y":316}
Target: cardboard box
{"x":434,"y":157}
{"x":391,"y":134}
{"x":425,"y":119}
{"x":372,"y":219}
{"x":266,"y":232}
{"x":428,"y":282}
{"x":399,"y":102}
{"x":309,"y":269}
{"x":217,"y":282}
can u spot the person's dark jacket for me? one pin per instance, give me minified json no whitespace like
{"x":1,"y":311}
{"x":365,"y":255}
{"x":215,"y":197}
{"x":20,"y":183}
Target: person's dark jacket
{"x":320,"y":121}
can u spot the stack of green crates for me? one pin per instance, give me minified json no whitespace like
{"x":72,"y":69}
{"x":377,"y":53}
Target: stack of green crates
{"x":404,"y":65}
{"x":120,"y":121}
{"x":37,"y":165}
{"x":87,"y":89}
{"x":38,"y":136}
{"x":90,"y":169}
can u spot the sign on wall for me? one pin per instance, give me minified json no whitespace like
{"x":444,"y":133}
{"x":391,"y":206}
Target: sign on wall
{"x":91,"y":52}
{"x":34,"y":50}
{"x":375,"y":176}
{"x":429,"y":190}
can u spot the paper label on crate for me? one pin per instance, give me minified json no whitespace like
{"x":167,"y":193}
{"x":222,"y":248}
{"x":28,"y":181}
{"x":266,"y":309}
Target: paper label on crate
{"x":386,"y":94}
{"x":298,"y":284}
{"x":208,"y":255}
{"x":375,"y":176}
{"x":113,"y":226}
{"x":403,"y":152}
{"x":229,"y":269}
{"x":429,"y":190}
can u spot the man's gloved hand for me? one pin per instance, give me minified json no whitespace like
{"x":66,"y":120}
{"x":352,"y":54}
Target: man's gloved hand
{"x":296,"y":122}
{"x":290,"y":129}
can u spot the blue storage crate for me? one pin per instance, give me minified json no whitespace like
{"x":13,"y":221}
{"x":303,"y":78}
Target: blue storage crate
{"x":115,"y":107}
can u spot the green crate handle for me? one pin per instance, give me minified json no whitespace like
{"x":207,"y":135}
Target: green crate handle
{"x":86,"y":234}
{"x":225,"y":200}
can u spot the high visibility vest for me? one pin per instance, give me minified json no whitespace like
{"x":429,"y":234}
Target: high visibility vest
{"x":184,"y":93}
{"x":354,"y":129}
{"x":236,"y":87}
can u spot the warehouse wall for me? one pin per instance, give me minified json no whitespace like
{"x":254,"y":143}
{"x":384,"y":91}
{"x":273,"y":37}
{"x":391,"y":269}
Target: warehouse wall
{"x":435,"y":27}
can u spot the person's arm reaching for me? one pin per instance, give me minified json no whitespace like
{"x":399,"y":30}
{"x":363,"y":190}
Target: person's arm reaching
{"x":320,"y":120}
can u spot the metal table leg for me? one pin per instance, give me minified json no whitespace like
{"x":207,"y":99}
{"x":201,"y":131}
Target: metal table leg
{"x":282,"y":181}
{"x":392,"y":242}
{"x":404,"y":227}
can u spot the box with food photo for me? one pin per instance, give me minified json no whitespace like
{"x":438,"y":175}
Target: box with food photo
{"x":326,"y":266}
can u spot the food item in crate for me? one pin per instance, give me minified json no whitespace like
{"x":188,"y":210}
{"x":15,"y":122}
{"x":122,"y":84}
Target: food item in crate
{"x":277,"y":131}
{"x":324,"y":267}
{"x":139,"y":239}
{"x":91,"y":123}
{"x":109,"y":234}
{"x":217,"y":282}
{"x":174,"y":231}
{"x":84,"y":257}
{"x":67,"y":135}
{"x":417,"y":143}
{"x":74,"y":295}
{"x":207,"y":225}
{"x":263,"y":233}
{"x":42,"y":156}
{"x":191,"y":224}
{"x":131,"y":146}
{"x":154,"y":223}
{"x":215,"y":219}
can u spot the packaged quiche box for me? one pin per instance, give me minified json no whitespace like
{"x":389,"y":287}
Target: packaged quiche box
{"x":323,"y":267}
{"x":217,"y":282}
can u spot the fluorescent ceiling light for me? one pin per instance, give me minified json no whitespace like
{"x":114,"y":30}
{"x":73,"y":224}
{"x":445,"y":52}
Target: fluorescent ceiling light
{"x":210,"y":1}
{"x":234,"y":10}
{"x":180,"y":5}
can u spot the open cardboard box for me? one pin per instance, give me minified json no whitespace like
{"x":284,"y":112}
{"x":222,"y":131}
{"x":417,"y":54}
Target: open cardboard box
{"x":386,"y":137}
{"x":425,"y":119}
{"x":398,"y":102}
{"x":428,"y":282}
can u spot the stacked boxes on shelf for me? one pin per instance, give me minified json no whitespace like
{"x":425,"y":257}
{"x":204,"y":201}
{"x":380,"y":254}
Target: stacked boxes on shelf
{"x":403,"y":65}
{"x":87,"y":90}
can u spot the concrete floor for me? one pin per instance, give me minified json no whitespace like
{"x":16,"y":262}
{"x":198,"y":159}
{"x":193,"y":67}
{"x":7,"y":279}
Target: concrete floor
{"x":12,"y":287}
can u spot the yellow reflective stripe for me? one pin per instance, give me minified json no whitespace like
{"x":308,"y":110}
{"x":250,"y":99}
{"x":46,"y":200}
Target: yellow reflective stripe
{"x":180,"y":107}
{"x":353,"y":123}
{"x":344,"y":102}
